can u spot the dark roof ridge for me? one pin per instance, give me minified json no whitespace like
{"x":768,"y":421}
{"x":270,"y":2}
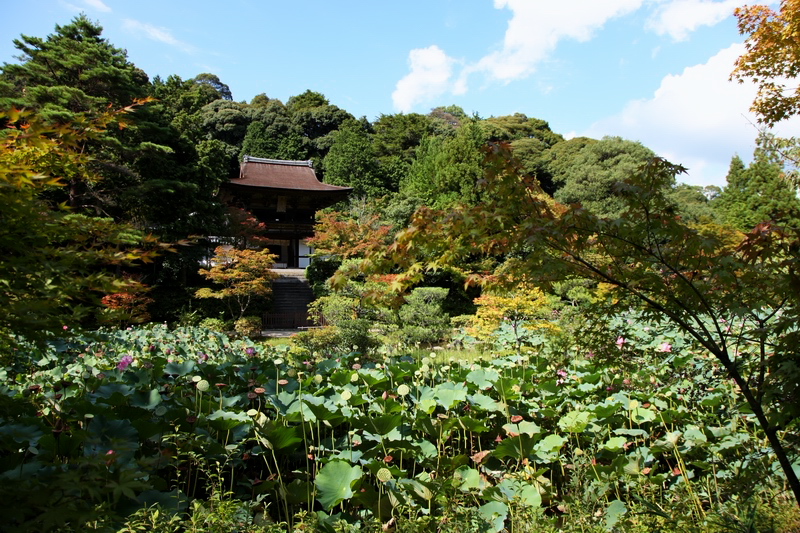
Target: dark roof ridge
{"x":251,"y":159}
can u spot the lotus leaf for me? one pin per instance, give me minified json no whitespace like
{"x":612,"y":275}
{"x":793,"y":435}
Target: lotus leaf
{"x":335,"y":483}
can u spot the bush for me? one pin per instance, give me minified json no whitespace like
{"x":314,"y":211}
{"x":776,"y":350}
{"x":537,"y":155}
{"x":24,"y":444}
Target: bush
{"x":422,"y":318}
{"x":248,"y":326}
{"x":215,"y":324}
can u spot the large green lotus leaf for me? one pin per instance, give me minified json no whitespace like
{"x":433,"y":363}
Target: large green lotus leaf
{"x":641,"y":415}
{"x":550,"y":444}
{"x":631,"y":432}
{"x":467,"y":479}
{"x":222,"y":420}
{"x":300,"y":412}
{"x":299,"y":491}
{"x":146,"y":399}
{"x":525,"y":427}
{"x":351,"y":456}
{"x":429,"y":450}
{"x":326,"y":365}
{"x":615,"y":444}
{"x":614,"y":514}
{"x":335,"y":483}
{"x":115,"y":393}
{"x":283,"y":401}
{"x":471,"y":423}
{"x":278,"y":437}
{"x":588,"y":387}
{"x":422,"y":491}
{"x":484,"y":403}
{"x":449,"y":394}
{"x":495,"y":514}
{"x":510,"y":490}
{"x":323,"y":409}
{"x":371,"y":376}
{"x":180,"y":369}
{"x":483,"y":378}
{"x":380,"y":425}
{"x":518,"y":447}
{"x":575,"y":421}
{"x":388,"y":405}
{"x":22,"y":433}
{"x":116,"y":436}
{"x":694,"y":436}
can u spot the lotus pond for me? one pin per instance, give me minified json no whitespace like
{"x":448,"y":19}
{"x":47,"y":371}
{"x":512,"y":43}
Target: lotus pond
{"x":154,"y":429}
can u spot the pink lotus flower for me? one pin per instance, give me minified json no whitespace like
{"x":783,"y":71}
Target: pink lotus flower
{"x":665,"y":347}
{"x":621,"y":342}
{"x":125,"y":362}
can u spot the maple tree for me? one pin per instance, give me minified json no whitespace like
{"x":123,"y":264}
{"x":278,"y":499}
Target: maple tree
{"x":345,"y":237}
{"x":734,"y":293}
{"x":56,"y":264}
{"x":241,"y":274}
{"x":771,"y":59}
{"x":521,"y":307}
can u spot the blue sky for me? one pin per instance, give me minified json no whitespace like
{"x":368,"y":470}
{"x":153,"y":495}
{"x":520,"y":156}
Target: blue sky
{"x":654,"y":71}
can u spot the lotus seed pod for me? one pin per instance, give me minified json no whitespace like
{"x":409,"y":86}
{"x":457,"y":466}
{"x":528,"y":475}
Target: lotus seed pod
{"x":252,"y":412}
{"x":403,"y":389}
{"x":196,"y":378}
{"x":346,"y":395}
{"x":384,"y":475}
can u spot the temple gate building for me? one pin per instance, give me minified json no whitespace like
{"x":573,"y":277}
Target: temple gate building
{"x":285,"y":196}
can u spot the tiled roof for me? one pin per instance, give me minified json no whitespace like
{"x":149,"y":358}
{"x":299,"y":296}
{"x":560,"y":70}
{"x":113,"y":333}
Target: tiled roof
{"x":279,"y":174}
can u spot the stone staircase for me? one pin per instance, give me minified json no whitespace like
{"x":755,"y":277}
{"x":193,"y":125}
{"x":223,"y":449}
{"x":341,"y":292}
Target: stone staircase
{"x":291,"y":295}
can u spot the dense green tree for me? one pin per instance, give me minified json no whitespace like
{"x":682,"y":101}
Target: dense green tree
{"x":56,"y":264}
{"x":213,"y":81}
{"x":588,"y":171}
{"x":147,"y":168}
{"x":692,"y":203}
{"x":73,"y":70}
{"x":226,"y":121}
{"x":519,"y":126}
{"x":447,"y":170}
{"x":399,"y":135}
{"x":307,"y":100}
{"x":316,"y":125}
{"x":272,"y":134}
{"x":448,"y":118}
{"x":183,"y":100}
{"x":757,"y":194}
{"x":530,"y":139}
{"x":351,"y":162}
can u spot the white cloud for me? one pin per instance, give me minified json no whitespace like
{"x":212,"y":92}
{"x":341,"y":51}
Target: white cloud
{"x":536,"y":28}
{"x":98,"y":5}
{"x":678,"y":18}
{"x":696,"y":118}
{"x":533,"y":33}
{"x":430,"y":77}
{"x":156,"y":34}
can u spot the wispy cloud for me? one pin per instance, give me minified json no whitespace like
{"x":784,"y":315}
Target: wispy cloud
{"x":536,"y":28}
{"x":156,"y":34}
{"x":533,"y":32}
{"x":678,"y":18}
{"x":697,"y":118}
{"x":98,"y":5}
{"x":430,"y":76}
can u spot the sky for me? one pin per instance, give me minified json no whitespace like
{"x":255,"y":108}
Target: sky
{"x":653,"y":71}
